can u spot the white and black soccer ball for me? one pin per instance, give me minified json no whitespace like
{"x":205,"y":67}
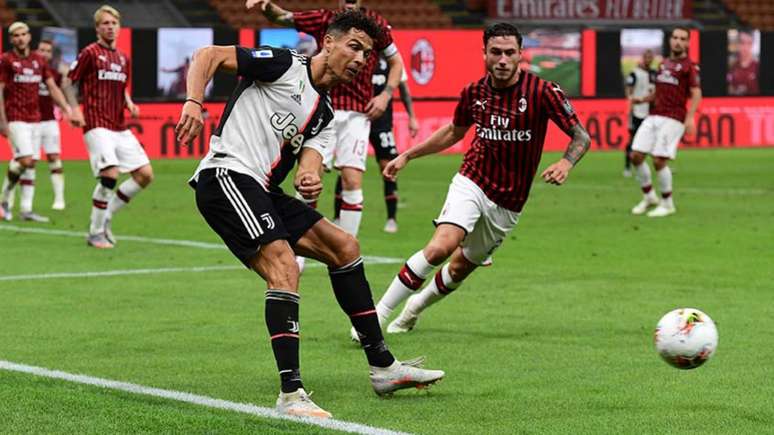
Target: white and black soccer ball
{"x":686,"y":338}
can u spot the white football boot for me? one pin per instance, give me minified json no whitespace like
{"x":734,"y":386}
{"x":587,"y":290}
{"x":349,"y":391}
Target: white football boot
{"x":662,"y":210}
{"x":400,"y":375}
{"x":406,"y":321}
{"x":299,"y":404}
{"x":391,"y":226}
{"x":647,"y":202}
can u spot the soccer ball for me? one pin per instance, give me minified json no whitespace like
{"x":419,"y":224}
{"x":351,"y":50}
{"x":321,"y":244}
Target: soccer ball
{"x":686,"y":338}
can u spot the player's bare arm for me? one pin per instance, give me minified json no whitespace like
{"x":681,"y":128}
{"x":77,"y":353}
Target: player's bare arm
{"x":690,"y":123}
{"x":58,"y":96}
{"x":443,"y":138}
{"x":378,"y":104}
{"x":70,"y":91}
{"x":134,"y":109}
{"x":205,"y":63}
{"x":307,"y":181}
{"x":273,"y":13}
{"x":405,"y":97}
{"x":557,"y":173}
{"x":3,"y":119}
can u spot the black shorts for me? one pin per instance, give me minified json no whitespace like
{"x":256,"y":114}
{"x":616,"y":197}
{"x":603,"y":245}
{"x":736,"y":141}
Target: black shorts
{"x":634,"y":124}
{"x":246,"y":216}
{"x":384,"y":144}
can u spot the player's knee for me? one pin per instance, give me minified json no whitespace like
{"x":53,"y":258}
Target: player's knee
{"x":27,"y":162}
{"x":637,"y":157}
{"x":460,"y":268}
{"x":347,"y":251}
{"x":143,"y":176}
{"x":660,"y":163}
{"x":436,"y":252}
{"x":108,"y":182}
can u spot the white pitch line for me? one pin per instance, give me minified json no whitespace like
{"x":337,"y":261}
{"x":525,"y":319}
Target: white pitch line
{"x":173,"y":242}
{"x":206,"y":401}
{"x":121,"y":272}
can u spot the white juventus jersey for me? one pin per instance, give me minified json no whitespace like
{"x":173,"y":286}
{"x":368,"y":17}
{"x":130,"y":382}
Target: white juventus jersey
{"x":642,"y":84}
{"x":273,"y":113}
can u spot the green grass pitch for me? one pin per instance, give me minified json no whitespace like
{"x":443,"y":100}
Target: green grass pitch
{"x":555,"y":337}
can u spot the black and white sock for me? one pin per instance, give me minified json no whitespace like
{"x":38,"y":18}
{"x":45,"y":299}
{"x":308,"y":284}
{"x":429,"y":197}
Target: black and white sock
{"x":282,"y":322}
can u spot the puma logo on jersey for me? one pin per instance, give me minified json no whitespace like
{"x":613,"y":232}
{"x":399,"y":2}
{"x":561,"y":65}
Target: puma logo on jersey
{"x":480,"y":103}
{"x":289,"y":131}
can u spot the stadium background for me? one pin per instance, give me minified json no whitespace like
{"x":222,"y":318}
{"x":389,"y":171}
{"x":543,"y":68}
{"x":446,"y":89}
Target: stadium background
{"x":575,"y":43}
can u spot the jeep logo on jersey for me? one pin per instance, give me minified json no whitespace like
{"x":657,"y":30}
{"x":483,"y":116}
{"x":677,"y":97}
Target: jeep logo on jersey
{"x":422,"y":61}
{"x":288,"y":130}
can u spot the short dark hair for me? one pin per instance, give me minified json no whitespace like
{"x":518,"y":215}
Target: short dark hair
{"x":46,"y":41}
{"x":683,"y":28}
{"x":353,"y":19}
{"x":502,"y":29}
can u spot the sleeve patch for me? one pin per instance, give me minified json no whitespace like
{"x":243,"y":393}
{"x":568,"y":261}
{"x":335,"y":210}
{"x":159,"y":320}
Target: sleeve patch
{"x":262,"y":54}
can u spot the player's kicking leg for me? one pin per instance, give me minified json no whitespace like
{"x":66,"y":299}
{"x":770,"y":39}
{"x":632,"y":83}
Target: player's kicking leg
{"x":340,"y":251}
{"x":446,"y":280}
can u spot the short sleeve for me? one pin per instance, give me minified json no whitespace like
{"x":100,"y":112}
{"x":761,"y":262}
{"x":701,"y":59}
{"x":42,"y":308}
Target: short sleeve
{"x":80,"y":66}
{"x":631,"y":79}
{"x":45,"y":71}
{"x":314,"y":22}
{"x":694,"y":79}
{"x":385,"y":44}
{"x":558,"y":107}
{"x":265,"y":64}
{"x":462,"y":113}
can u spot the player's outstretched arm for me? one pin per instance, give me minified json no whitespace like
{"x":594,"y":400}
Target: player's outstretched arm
{"x":273,"y":13}
{"x":205,"y":63}
{"x":443,"y":138}
{"x":580,"y":143}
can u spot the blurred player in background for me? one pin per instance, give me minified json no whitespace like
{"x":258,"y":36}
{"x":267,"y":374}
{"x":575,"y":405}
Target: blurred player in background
{"x":263,"y":134}
{"x":510,"y":109}
{"x":21,"y":73}
{"x":354,"y":102}
{"x":383,"y":141}
{"x":640,"y":83}
{"x":50,"y":137}
{"x":677,"y":81}
{"x":743,"y":74}
{"x":103,"y":72}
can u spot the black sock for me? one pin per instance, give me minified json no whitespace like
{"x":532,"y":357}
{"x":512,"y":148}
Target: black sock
{"x":628,"y":156}
{"x":354,"y":296}
{"x":13,"y":178}
{"x":391,"y":198}
{"x":337,"y":201}
{"x":282,"y":322}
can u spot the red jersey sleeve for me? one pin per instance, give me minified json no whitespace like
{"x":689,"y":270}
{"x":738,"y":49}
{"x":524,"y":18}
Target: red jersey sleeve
{"x":81,"y":66}
{"x":463,"y":117}
{"x":45,"y":71}
{"x":6,"y":73}
{"x":559,"y":108}
{"x":694,"y":79}
{"x":314,"y":22}
{"x":386,"y":39}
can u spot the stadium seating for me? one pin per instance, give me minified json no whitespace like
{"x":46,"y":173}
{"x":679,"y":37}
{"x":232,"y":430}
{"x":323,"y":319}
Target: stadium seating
{"x":141,"y":14}
{"x":755,"y":13}
{"x":7,"y":15}
{"x":415,"y":14}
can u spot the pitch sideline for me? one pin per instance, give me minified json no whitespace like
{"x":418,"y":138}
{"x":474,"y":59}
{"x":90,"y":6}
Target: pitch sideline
{"x":206,"y":401}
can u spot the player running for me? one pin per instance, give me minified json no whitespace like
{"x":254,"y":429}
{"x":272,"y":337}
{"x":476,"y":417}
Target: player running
{"x":280,"y":114}
{"x":103,"y":72}
{"x":640,"y":83}
{"x":383,"y":141}
{"x":50,"y":137}
{"x":677,"y":81}
{"x":21,"y":73}
{"x":510,"y":109}
{"x":354,"y":103}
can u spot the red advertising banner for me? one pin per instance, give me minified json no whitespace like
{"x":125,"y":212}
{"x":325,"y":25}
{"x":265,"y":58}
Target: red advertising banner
{"x":440,"y":63}
{"x":644,"y":10}
{"x":722,"y":122}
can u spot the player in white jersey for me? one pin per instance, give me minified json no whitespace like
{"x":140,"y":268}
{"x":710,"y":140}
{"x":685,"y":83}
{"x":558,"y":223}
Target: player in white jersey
{"x":640,"y":84}
{"x":279,"y":115}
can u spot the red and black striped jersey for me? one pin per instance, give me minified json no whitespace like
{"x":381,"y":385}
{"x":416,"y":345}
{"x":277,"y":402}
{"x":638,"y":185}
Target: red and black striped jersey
{"x":103,"y":74}
{"x":355,"y":95}
{"x":674,"y":81}
{"x":22,"y":77}
{"x":44,"y":98}
{"x":510,"y":131}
